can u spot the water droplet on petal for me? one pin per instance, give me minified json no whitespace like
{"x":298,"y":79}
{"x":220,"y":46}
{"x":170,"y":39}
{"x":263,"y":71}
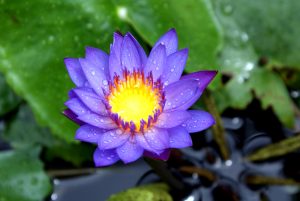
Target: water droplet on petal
{"x":105,"y":82}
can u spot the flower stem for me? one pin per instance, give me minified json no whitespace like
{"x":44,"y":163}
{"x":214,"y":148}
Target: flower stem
{"x":218,"y":129}
{"x":162,"y":170}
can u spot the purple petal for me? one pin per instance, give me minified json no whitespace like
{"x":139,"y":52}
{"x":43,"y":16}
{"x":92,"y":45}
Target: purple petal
{"x":113,"y":139}
{"x":96,"y":75}
{"x":98,"y":121}
{"x":199,"y":121}
{"x":156,"y":62}
{"x":105,"y":157}
{"x":88,"y":133}
{"x":130,"y":58}
{"x":75,"y":71}
{"x":175,"y":66}
{"x":172,"y":118}
{"x":130,"y":151}
{"x":91,"y":100}
{"x":72,"y":116}
{"x":181,"y":95}
{"x":179,"y":137}
{"x":115,"y":56}
{"x":162,"y":156}
{"x":141,"y":51}
{"x":98,"y":58}
{"x":77,"y":106}
{"x":203,"y":78}
{"x":170,"y":40}
{"x":157,"y":138}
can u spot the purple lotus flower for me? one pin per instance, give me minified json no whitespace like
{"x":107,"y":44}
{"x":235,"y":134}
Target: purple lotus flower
{"x":131,"y":104}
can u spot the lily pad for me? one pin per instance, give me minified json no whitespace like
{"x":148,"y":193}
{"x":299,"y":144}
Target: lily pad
{"x":22,"y":176}
{"x":37,"y":37}
{"x":151,"y":192}
{"x":192,"y":19}
{"x":8,"y":100}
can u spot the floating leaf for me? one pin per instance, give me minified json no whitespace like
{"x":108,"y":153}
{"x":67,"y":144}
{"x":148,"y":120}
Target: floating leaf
{"x":274,"y":28}
{"x":8,"y":99}
{"x":239,"y":60}
{"x":152,"y":192}
{"x":37,"y":37}
{"x":22,"y":130}
{"x":192,"y":20}
{"x":22,"y":177}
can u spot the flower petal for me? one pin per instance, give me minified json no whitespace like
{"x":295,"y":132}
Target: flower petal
{"x":115,"y":56}
{"x":157,"y":138}
{"x":199,"y":121}
{"x":172,"y":118}
{"x":91,"y":100}
{"x":105,"y":157}
{"x":203,"y":78}
{"x":96,"y":75}
{"x":72,"y":116}
{"x":141,"y":51}
{"x":174,"y":67}
{"x":98,"y":58}
{"x":130,"y":58}
{"x":112,"y":139}
{"x":77,"y":106}
{"x":179,"y":137}
{"x":75,"y":71}
{"x":98,"y":121}
{"x":130,"y":151}
{"x":88,"y":133}
{"x":181,"y":95}
{"x":170,"y":40}
{"x":162,"y":156}
{"x":156,"y":62}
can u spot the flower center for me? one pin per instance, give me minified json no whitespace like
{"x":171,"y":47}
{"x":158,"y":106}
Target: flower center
{"x":135,"y":101}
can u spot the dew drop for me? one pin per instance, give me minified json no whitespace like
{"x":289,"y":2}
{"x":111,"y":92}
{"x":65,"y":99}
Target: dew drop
{"x":227,"y":9}
{"x":105,"y":82}
{"x":172,"y":69}
{"x":93,"y":72}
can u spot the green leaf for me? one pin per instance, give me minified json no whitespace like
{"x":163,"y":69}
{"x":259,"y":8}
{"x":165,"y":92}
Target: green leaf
{"x":239,"y":60}
{"x":76,"y":154}
{"x":23,"y":131}
{"x":192,"y":20}
{"x":274,"y":28}
{"x":22,"y":176}
{"x":37,"y":36}
{"x":270,"y":89}
{"x":152,"y":192}
{"x":8,"y":100}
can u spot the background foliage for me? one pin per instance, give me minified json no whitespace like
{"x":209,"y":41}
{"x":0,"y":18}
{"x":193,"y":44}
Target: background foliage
{"x":257,"y":54}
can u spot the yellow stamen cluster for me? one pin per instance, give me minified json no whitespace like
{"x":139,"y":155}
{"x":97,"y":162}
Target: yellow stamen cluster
{"x":134,"y":98}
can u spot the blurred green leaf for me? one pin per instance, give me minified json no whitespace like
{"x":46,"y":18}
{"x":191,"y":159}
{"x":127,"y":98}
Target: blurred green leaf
{"x":8,"y":99}
{"x":37,"y":36}
{"x":73,"y":153}
{"x":192,"y":19}
{"x":22,"y":130}
{"x":239,"y":61}
{"x":22,"y":177}
{"x":274,"y":28}
{"x":152,"y":192}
